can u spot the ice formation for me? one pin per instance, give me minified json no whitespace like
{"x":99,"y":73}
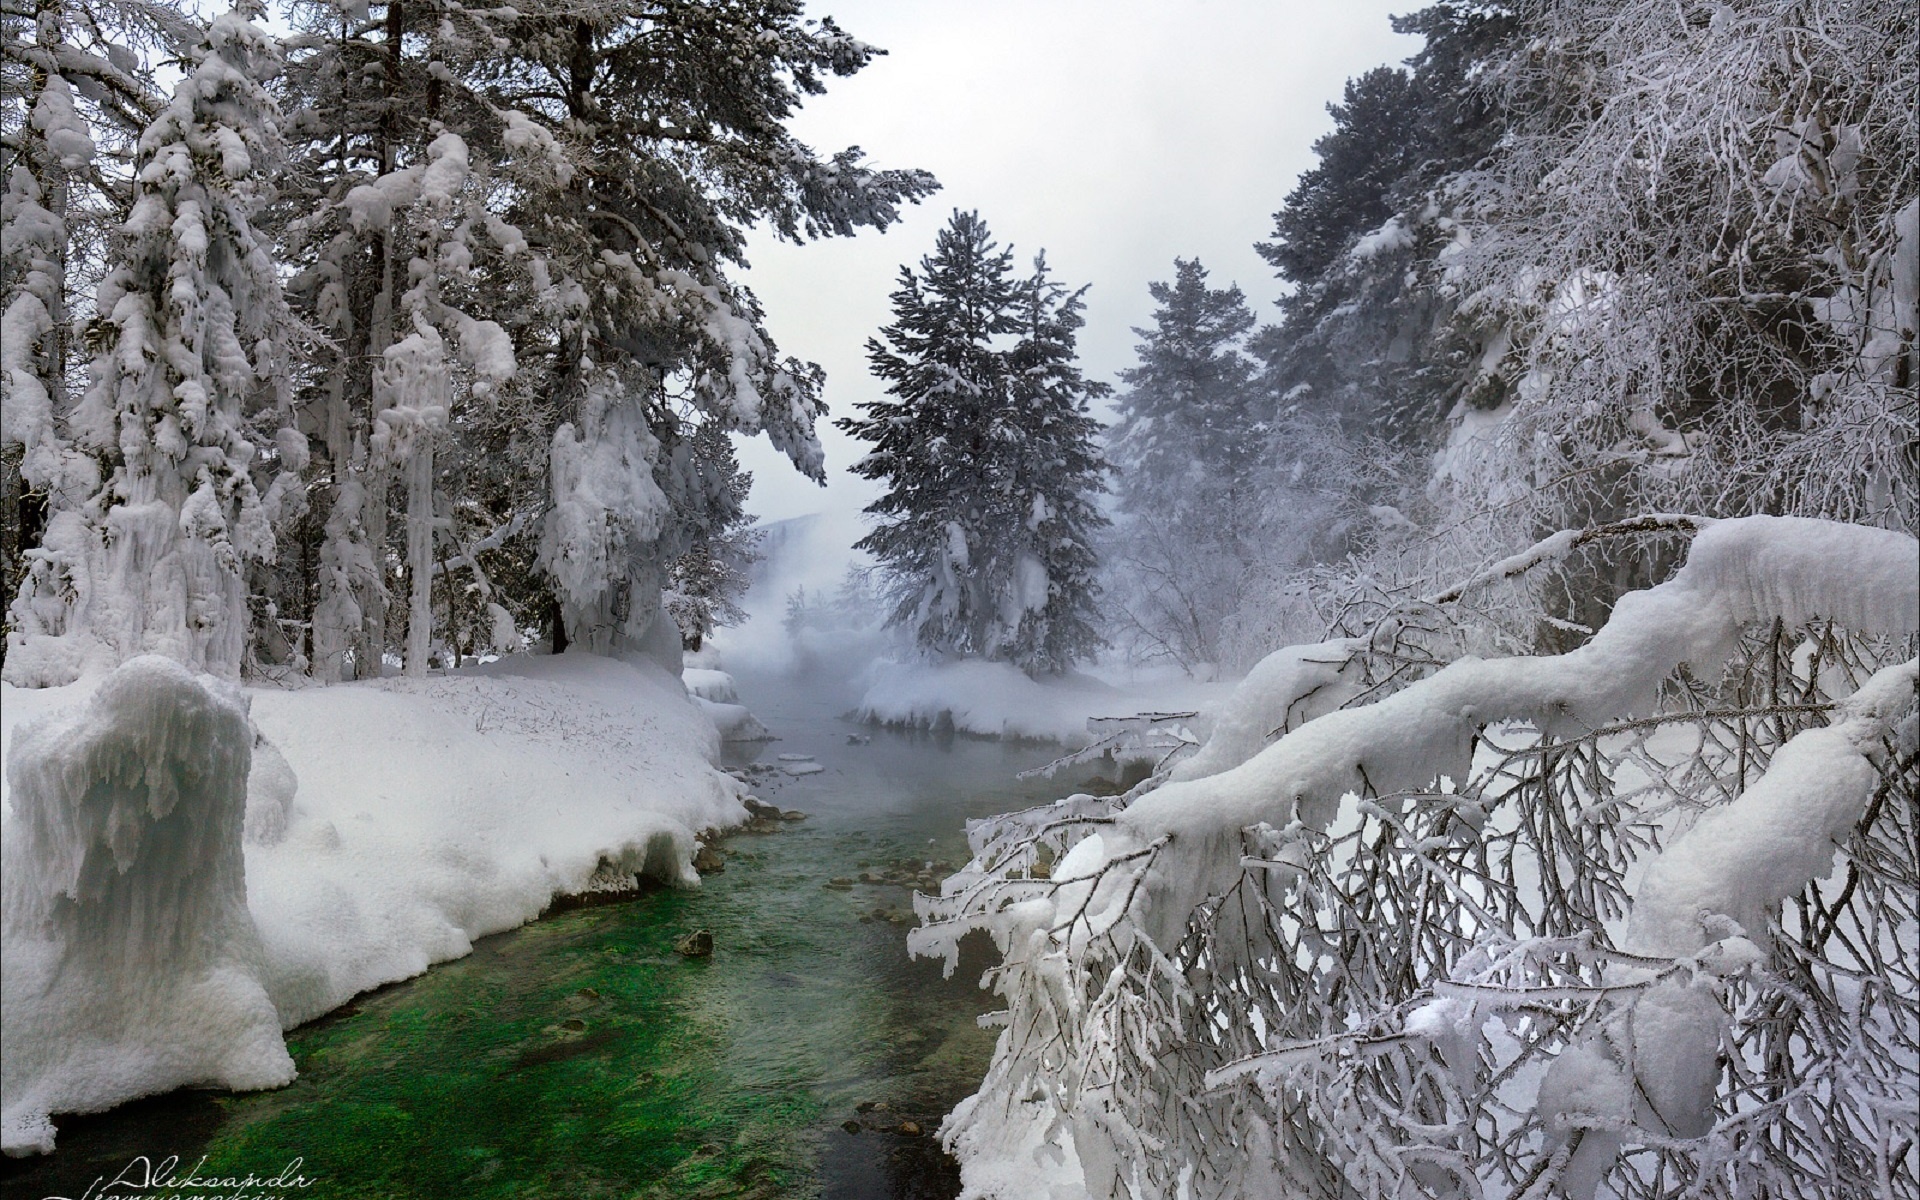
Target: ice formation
{"x":133,"y":966}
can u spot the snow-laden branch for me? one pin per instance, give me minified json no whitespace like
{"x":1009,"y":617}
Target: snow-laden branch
{"x":1180,"y":932}
{"x":1741,"y":572}
{"x":1556,"y":548}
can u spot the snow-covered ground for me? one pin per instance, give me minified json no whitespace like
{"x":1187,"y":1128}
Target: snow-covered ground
{"x":387,"y":825}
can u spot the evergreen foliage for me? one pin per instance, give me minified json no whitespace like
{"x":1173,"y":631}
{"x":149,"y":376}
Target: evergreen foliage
{"x":497,"y":393}
{"x":987,"y":450}
{"x":1190,"y":442}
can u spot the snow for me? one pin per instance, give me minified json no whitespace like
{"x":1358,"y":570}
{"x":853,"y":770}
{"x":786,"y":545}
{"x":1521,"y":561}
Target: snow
{"x":1394,"y":235}
{"x":387,"y":824}
{"x":998,"y":700}
{"x":1127,"y":892}
{"x":710,"y":684}
{"x":132,"y":964}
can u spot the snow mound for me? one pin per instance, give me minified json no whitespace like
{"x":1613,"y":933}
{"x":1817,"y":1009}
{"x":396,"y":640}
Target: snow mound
{"x":468,"y":803}
{"x":132,"y":966}
{"x":387,"y":824}
{"x":719,"y":699}
{"x":709,"y":684}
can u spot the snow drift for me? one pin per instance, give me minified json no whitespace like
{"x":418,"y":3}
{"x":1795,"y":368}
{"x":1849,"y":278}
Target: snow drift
{"x":132,"y":965}
{"x":182,"y":885}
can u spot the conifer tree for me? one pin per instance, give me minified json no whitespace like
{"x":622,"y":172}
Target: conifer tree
{"x":1190,"y":442}
{"x":75,"y":96}
{"x":185,"y":395}
{"x":988,"y":454}
{"x":1054,"y":470}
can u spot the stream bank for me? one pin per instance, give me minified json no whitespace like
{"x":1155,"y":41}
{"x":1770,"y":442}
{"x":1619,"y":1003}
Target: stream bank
{"x":580,"y":1056}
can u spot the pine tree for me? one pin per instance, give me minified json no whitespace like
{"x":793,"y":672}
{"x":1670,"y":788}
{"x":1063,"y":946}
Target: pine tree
{"x":1190,"y":443}
{"x":190,"y":331}
{"x":988,"y":454}
{"x":75,"y":97}
{"x":1055,"y":469}
{"x":707,"y":578}
{"x":1369,"y":334}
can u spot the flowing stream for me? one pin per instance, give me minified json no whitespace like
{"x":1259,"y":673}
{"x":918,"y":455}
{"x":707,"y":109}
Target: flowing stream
{"x":581,"y":1056}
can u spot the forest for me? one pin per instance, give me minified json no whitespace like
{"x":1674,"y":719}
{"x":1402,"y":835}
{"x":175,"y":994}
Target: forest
{"x":1546,"y":526}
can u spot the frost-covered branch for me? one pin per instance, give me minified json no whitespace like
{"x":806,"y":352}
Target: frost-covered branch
{"x":1399,"y":914}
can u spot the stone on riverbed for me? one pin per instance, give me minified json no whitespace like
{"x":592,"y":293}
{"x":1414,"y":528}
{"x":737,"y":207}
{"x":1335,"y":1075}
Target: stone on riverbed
{"x":698,"y":944}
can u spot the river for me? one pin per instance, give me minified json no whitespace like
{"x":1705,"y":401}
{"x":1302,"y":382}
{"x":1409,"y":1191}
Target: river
{"x":581,"y":1056}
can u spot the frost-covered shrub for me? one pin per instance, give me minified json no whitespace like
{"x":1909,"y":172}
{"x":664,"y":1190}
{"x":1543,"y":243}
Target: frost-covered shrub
{"x":1515,"y":926}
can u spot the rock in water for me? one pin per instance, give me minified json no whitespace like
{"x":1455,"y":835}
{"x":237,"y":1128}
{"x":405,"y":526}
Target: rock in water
{"x":698,"y":944}
{"x":708,"y":861}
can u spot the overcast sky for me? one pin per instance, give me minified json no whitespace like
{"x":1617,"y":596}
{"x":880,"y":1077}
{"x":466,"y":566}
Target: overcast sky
{"x":1114,"y":134}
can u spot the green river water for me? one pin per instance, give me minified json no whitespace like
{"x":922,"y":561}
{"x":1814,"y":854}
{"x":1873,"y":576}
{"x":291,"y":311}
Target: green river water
{"x":582,"y":1057}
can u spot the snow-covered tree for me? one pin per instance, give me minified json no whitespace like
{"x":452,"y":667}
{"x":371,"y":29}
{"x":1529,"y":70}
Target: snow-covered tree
{"x":1696,"y":247}
{"x":706,"y":580}
{"x":986,"y":449}
{"x":186,"y":381}
{"x":1627,"y":921}
{"x":1054,"y":470}
{"x":75,"y":95}
{"x":1190,"y":442}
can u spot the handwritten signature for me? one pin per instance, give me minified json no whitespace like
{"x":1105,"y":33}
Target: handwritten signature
{"x":144,"y":1179}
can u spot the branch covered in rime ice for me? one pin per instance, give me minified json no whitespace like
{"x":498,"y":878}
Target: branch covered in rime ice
{"x":1524,"y":926}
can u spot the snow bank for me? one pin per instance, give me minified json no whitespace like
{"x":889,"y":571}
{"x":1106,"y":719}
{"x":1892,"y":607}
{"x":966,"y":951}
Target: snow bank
{"x":131,"y":964}
{"x":388,"y":824}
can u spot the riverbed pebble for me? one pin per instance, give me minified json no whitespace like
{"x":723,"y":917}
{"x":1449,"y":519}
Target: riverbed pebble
{"x":698,"y":944}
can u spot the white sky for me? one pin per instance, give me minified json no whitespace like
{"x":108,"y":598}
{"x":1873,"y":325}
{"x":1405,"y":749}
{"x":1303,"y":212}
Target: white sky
{"x":1115,"y":134}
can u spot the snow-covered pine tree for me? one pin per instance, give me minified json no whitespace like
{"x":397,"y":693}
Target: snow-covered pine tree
{"x":614,"y":156}
{"x":75,"y":96}
{"x":1054,"y":470}
{"x":706,"y":580}
{"x":643,"y":141}
{"x":190,"y":335}
{"x":947,"y":382}
{"x":985,"y":447}
{"x":1368,"y":332}
{"x":1189,"y":442}
{"x":38,"y":457}
{"x":400,"y":253}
